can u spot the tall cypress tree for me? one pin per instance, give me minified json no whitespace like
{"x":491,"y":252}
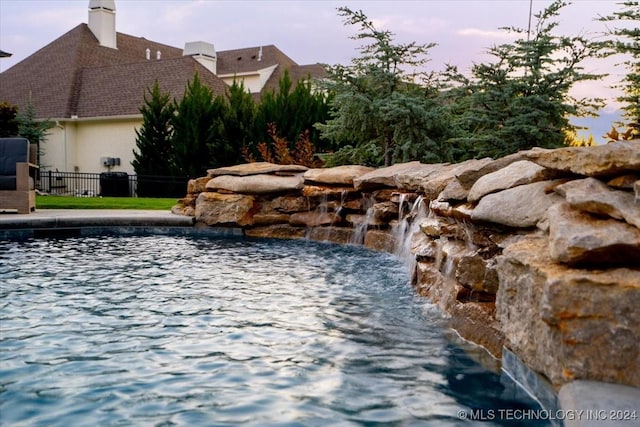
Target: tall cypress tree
{"x":153,"y":139}
{"x":196,"y":131}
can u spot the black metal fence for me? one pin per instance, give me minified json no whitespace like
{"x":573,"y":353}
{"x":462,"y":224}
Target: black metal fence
{"x":114,"y":184}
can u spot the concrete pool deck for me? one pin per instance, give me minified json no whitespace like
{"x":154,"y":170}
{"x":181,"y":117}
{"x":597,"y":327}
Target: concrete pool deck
{"x":577,"y":404}
{"x":59,"y":218}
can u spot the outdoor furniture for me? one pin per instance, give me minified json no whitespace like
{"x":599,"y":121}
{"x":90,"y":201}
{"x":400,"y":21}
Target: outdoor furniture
{"x":17,"y":176}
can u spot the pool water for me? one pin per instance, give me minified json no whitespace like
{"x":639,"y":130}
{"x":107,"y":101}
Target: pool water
{"x":185,"y":331}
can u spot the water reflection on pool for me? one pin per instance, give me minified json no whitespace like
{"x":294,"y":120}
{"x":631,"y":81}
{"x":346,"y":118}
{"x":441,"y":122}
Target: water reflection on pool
{"x":169,"y":330}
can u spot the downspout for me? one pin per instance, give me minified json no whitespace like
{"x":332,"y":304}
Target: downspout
{"x":64,"y":143}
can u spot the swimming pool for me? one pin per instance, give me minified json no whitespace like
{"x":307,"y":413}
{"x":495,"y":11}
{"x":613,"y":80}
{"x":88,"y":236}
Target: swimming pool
{"x":185,"y":331}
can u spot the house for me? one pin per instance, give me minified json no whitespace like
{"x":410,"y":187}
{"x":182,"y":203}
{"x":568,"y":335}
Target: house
{"x":91,"y":82}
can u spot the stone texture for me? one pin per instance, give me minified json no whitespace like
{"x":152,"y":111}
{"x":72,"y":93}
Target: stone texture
{"x":380,"y":240}
{"x":432,"y":186}
{"x":326,"y":192}
{"x":486,"y":166}
{"x":567,"y":323}
{"x":358,"y":220}
{"x":636,"y":190}
{"x":624,"y":182}
{"x":224,"y":209}
{"x":198,"y":185}
{"x":593,"y":196}
{"x":476,"y":322}
{"x":386,"y":177}
{"x":287,"y":204}
{"x":256,"y":184}
{"x":477,"y":274}
{"x":517,"y":173}
{"x":340,"y":235}
{"x":601,"y":160}
{"x":577,"y":238}
{"x":279,"y":231}
{"x":339,"y":175}
{"x":270,"y":219}
{"x":415,"y":179}
{"x":385,"y":211}
{"x":453,"y":192}
{"x":313,"y":219}
{"x":257,"y":168}
{"x":518,"y":207}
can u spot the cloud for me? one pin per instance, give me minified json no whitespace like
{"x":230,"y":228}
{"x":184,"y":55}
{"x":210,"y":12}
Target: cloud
{"x":489,"y":34}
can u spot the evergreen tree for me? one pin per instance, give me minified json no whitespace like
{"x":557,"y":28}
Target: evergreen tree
{"x":8,"y":122}
{"x":239,"y":122}
{"x":153,"y":139}
{"x":522,"y":99}
{"x":293,"y":111}
{"x":627,"y":41}
{"x":377,"y":110}
{"x":34,"y":130}
{"x":197,"y":141}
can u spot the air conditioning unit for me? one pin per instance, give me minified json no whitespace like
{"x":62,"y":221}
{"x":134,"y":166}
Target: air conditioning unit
{"x":110,"y":161}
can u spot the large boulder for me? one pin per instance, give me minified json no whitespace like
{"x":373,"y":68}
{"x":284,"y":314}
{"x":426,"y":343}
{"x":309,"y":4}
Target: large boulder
{"x":414,"y":180}
{"x":198,"y":185}
{"x":601,"y":160}
{"x":339,"y":175}
{"x":482,"y":167}
{"x":518,"y":207}
{"x":569,"y":323}
{"x":593,"y":196}
{"x":386,"y":177}
{"x":578,"y":238}
{"x":225,"y":209}
{"x":256,"y":184}
{"x":517,"y":173}
{"x":257,"y":168}
{"x":432,"y":186}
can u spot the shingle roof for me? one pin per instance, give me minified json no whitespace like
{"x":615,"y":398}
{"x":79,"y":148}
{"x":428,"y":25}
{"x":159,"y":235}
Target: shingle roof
{"x":121,"y":88}
{"x":74,"y":75}
{"x":246,"y":60}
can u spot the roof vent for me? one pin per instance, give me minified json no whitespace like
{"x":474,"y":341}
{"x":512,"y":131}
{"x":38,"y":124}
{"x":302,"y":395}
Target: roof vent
{"x":260,"y":54}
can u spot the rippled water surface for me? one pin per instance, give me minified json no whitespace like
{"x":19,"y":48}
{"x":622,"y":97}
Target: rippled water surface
{"x":164,"y":330}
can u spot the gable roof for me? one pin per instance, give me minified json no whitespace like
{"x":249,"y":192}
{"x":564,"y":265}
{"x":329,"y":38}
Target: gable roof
{"x":75,"y":76}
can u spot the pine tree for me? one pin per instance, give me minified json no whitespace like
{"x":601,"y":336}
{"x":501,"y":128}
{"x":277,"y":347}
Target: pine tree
{"x":379,"y":114}
{"x":8,"y":122}
{"x":627,"y":41}
{"x":239,"y":122}
{"x":153,"y":139}
{"x":293,"y":111}
{"x":197,"y":127}
{"x":34,"y":130}
{"x":521,"y":100}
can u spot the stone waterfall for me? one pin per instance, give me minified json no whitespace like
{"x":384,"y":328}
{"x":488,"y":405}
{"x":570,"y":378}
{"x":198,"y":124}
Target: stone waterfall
{"x":537,"y":252}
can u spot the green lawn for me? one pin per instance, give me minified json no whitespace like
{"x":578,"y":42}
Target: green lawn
{"x":66,"y":202}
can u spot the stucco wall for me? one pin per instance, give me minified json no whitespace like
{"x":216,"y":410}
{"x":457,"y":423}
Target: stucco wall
{"x":77,"y":146}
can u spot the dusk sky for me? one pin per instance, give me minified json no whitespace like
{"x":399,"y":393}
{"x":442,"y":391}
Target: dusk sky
{"x":312,"y":31}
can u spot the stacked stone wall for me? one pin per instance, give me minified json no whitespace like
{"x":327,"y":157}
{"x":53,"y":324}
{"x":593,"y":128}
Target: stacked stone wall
{"x":538,"y":251}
